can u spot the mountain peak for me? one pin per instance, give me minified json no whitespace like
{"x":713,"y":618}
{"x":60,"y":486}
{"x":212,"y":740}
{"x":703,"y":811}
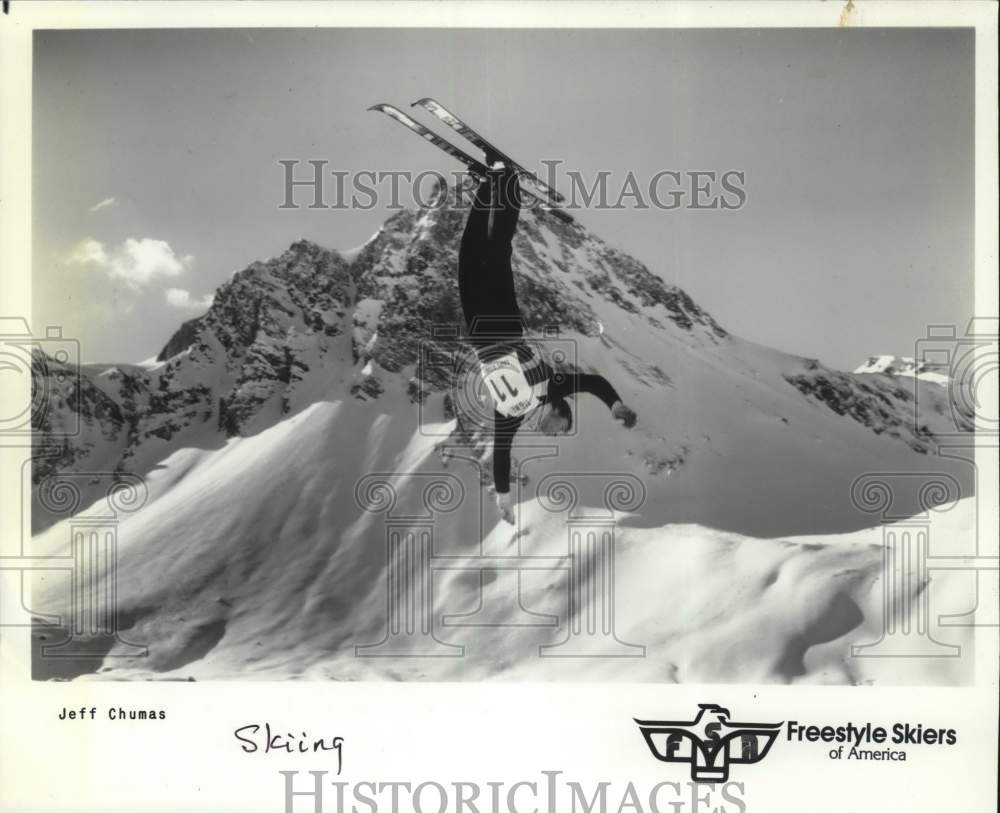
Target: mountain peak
{"x":311,"y":325}
{"x":904,"y":366}
{"x":306,"y":248}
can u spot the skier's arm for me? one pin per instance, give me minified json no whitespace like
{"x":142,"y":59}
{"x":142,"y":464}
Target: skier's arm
{"x":504,"y":430}
{"x":563,"y":384}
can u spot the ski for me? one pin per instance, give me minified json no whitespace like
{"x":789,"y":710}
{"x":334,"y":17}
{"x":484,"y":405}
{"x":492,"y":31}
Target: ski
{"x":474,"y":166}
{"x":477,"y":168}
{"x":464,"y":130}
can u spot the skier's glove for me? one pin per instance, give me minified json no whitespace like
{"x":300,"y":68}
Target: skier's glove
{"x":622,"y":413}
{"x":505,"y":502}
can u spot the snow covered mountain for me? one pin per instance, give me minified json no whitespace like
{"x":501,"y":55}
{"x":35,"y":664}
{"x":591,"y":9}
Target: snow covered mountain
{"x":906,"y":367}
{"x":252,"y":556}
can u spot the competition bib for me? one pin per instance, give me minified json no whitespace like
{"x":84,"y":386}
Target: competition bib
{"x":505,"y":382}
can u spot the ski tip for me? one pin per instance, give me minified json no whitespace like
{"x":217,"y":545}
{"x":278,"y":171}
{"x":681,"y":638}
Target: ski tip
{"x":423,"y":101}
{"x":559,"y":214}
{"x":379,"y":107}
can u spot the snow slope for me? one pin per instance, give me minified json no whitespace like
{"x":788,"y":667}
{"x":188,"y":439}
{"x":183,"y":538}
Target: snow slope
{"x":278,"y":573}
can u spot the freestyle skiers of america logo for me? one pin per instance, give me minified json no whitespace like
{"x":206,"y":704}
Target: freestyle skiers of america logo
{"x":710,"y":742}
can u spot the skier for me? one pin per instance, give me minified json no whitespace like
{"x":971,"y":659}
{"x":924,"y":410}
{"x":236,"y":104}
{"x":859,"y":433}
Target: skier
{"x":518,"y":380}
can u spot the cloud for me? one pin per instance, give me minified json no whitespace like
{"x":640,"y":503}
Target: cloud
{"x":104,"y":204}
{"x":181,"y":298}
{"x":88,"y":252}
{"x":137,"y":261}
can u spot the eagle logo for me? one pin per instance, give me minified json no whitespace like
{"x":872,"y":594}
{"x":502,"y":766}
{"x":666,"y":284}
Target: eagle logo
{"x":710,"y":742}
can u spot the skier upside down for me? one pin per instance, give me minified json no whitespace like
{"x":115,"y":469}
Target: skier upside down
{"x":518,"y":379}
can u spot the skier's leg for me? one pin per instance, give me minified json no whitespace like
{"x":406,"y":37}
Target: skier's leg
{"x":499,"y":270}
{"x":492,"y":220}
{"x":506,"y":209}
{"x":486,"y":279}
{"x":472,"y":254}
{"x":472,"y":249}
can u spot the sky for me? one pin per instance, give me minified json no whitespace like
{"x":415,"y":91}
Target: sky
{"x":156,"y":174}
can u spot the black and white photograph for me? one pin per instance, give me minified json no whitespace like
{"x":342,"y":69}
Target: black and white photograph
{"x":457,"y":353}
